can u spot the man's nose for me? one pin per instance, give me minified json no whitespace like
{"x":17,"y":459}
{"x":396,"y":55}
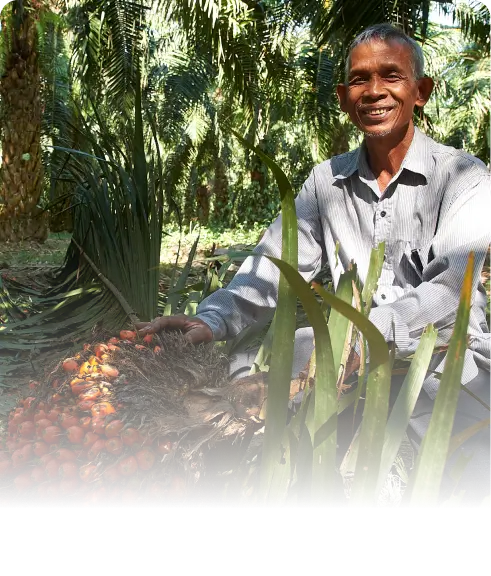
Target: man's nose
{"x":375,"y":87}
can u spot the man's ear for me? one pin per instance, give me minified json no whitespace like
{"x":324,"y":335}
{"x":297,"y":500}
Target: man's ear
{"x":425,"y":88}
{"x":342,"y":92}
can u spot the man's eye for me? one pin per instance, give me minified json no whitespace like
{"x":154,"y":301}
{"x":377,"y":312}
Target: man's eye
{"x":356,"y":81}
{"x":393,"y":77}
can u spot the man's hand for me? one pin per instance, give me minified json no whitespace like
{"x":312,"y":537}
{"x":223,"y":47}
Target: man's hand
{"x":195,"y":330}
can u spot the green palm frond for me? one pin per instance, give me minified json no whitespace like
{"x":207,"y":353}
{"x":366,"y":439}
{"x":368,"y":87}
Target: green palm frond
{"x":199,"y":149}
{"x":461,"y":100}
{"x":243,"y":41}
{"x":177,"y":167}
{"x":185,"y":88}
{"x":118,"y":213}
{"x":125,"y":24}
{"x":217,"y":29}
{"x":473,"y":18}
{"x":107,"y":47}
{"x":344,"y":19}
{"x":58,"y":109}
{"x":320,"y":104}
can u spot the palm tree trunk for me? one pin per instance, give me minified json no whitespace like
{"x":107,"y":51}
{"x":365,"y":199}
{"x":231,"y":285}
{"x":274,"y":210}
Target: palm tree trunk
{"x":220,"y":193}
{"x":190,"y":198}
{"x":22,"y":171}
{"x":203,"y":202}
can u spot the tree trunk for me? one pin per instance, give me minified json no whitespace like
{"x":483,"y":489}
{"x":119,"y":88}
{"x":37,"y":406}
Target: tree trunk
{"x":190,"y":198}
{"x":203,"y":201}
{"x":257,"y":173}
{"x":22,"y":172}
{"x":220,"y":193}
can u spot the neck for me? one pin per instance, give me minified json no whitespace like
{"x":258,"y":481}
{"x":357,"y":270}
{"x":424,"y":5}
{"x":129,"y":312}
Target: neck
{"x":386,"y":153}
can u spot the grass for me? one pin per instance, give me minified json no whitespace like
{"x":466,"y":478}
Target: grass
{"x":52,"y":252}
{"x":27,"y":253}
{"x":209,"y":236}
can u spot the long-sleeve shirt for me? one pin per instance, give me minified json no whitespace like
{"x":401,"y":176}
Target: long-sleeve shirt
{"x":432,"y":214}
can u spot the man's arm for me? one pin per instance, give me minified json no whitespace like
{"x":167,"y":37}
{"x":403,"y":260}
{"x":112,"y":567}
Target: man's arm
{"x":253,"y":292}
{"x":464,"y":227}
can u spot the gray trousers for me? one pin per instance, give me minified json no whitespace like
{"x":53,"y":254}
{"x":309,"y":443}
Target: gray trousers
{"x":475,"y":478}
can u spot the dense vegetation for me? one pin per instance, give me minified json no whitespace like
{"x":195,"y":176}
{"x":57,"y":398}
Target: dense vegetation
{"x":122,"y":121}
{"x":70,"y":72}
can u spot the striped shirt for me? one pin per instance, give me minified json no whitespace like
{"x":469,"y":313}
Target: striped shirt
{"x":433,"y":212}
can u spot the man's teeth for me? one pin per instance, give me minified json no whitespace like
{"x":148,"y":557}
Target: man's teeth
{"x":378,"y":112}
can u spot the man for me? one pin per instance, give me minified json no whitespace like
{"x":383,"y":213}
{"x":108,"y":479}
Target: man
{"x":429,"y":203}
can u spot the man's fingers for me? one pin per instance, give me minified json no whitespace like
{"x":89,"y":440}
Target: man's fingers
{"x":163,"y":323}
{"x":192,"y":337}
{"x":145,"y":328}
{"x":199,"y":334}
{"x":195,"y":331}
{"x":352,"y":364}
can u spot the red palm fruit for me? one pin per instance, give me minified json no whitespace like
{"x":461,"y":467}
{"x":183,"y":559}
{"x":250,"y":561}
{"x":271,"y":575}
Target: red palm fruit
{"x":145,"y":459}
{"x":39,"y":415}
{"x":37,"y":474}
{"x":52,"y":467}
{"x":127,"y":335}
{"x":130,"y":436}
{"x":89,"y":439}
{"x":128,"y":466}
{"x":68,"y":470}
{"x":87,"y":472}
{"x":65,"y":455}
{"x":114,"y":446}
{"x":39,"y":449}
{"x":68,"y":420}
{"x":97,"y":447}
{"x":70,"y":365}
{"x":85,"y":422}
{"x":75,"y":434}
{"x":114,"y":428}
{"x":148,"y":338}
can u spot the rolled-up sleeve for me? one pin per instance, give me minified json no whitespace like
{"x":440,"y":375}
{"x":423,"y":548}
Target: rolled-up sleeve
{"x":253,"y":292}
{"x":463,"y":228}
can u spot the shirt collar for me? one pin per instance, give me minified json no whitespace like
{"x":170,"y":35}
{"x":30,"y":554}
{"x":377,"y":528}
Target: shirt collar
{"x":418,"y":159}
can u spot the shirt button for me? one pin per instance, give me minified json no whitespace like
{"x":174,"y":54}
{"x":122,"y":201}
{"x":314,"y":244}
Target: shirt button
{"x":383,"y":296}
{"x":383,"y":213}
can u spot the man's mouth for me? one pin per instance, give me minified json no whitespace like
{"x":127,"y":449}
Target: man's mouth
{"x":377,"y":113}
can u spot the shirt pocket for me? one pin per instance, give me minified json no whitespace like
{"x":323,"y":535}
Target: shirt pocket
{"x":412,"y":263}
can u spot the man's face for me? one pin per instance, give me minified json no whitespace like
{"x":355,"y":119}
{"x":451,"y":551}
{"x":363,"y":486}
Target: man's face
{"x":381,"y":91}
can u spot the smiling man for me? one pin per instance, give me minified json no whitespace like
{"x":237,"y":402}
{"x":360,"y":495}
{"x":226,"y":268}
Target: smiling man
{"x":429,"y":203}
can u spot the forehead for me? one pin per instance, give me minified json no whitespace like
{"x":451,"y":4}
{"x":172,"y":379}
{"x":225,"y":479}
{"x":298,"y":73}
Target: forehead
{"x":381,"y":54}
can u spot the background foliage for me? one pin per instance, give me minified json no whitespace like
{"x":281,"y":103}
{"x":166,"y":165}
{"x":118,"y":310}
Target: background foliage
{"x":267,"y":69}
